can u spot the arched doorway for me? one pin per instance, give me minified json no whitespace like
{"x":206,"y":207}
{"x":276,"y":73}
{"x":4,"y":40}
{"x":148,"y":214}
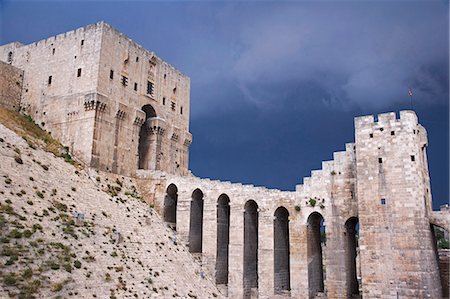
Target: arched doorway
{"x":316,"y":239}
{"x":196,"y":222}
{"x":250,"y":249}
{"x":352,"y":253}
{"x":223,"y":239}
{"x":281,"y":251}
{"x":145,"y":139}
{"x":170,"y":206}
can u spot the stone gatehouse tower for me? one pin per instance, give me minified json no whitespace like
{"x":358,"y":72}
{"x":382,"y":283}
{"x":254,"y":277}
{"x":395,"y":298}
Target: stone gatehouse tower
{"x":358,"y":227}
{"x":117,"y":106}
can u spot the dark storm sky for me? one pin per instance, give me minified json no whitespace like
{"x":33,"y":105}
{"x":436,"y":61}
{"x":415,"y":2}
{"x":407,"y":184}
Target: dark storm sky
{"x":275,"y":85}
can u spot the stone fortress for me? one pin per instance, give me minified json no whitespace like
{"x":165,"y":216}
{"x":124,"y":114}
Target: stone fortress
{"x":360,"y":227}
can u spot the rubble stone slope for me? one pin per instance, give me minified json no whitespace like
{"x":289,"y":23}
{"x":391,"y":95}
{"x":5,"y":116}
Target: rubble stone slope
{"x":70,"y":232}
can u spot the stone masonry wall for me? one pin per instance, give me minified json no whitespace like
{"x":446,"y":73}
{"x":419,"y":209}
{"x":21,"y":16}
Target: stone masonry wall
{"x":334,"y":184}
{"x":396,"y":243}
{"x":10,"y":86}
{"x":74,"y":87}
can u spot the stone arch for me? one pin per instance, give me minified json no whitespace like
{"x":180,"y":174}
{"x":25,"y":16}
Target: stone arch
{"x":281,"y":251}
{"x":250,"y":249}
{"x":352,"y":253}
{"x":145,"y":139}
{"x":196,"y":222}
{"x":170,"y":206}
{"x":223,"y":239}
{"x":315,"y":238}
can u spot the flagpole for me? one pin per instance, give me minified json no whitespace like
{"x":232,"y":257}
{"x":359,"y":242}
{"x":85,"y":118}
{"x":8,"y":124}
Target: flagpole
{"x":410,"y":98}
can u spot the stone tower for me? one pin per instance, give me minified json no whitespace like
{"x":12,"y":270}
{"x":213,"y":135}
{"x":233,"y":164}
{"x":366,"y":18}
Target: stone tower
{"x":394,"y":204}
{"x":117,"y":106}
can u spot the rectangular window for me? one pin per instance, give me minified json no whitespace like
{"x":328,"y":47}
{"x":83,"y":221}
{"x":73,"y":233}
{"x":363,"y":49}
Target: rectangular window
{"x":124,"y":81}
{"x":392,"y":133}
{"x":79,"y":73}
{"x":137,"y":59}
{"x":149,"y":88}
{"x":111,"y":74}
{"x":413,"y":158}
{"x":371,"y":135}
{"x":383,"y":201}
{"x":49,"y":80}
{"x":380,"y":160}
{"x":82,"y":42}
{"x":135,"y":86}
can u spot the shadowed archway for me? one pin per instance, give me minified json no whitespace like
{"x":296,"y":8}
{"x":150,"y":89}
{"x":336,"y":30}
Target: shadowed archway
{"x":352,"y":233}
{"x":316,"y":234}
{"x":145,"y":140}
{"x":281,"y":251}
{"x":223,"y":239}
{"x":250,"y":249}
{"x":170,"y":206}
{"x":196,"y":222}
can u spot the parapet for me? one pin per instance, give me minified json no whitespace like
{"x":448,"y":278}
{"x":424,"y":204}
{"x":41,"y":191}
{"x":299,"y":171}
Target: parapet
{"x":407,"y":117}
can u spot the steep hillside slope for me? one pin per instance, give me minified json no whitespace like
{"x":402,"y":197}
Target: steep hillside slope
{"x":120,"y":248}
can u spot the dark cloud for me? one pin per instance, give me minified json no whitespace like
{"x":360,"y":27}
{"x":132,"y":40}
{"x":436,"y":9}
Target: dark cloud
{"x":275,"y":85}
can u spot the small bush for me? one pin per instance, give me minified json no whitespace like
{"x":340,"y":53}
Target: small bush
{"x":15,"y":233}
{"x":27,"y":233}
{"x":39,"y":194}
{"x":68,"y":268}
{"x":10,"y":279}
{"x":28,"y":273}
{"x":57,"y":287}
{"x":8,"y":181}
{"x":30,"y":202}
{"x":77,"y":264}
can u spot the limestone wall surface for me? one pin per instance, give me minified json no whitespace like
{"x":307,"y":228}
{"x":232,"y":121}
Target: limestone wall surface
{"x":10,"y":86}
{"x":117,"y":106}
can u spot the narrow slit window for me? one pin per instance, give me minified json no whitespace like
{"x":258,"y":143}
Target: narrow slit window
{"x":164,"y":101}
{"x":413,"y":158}
{"x":82,"y":42}
{"x":137,"y":59}
{"x":49,"y":80}
{"x":79,"y":72}
{"x":135,"y":86}
{"x":181,"y":110}
{"x":53,"y":51}
{"x":124,"y":81}
{"x":111,"y":74}
{"x":150,"y":88}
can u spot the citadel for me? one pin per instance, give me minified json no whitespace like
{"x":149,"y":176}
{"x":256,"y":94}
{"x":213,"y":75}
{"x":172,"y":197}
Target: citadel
{"x":120,"y":108}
